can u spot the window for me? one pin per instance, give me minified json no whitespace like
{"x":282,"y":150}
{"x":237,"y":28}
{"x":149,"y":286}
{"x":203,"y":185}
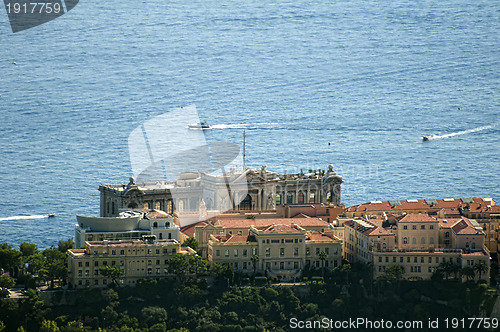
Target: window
{"x":295,"y":252}
{"x":122,"y":252}
{"x":245,"y":252}
{"x":235,"y":252}
{"x":295,"y":265}
{"x":387,"y":259}
{"x":422,"y":240}
{"x":113,"y":252}
{"x":317,"y":251}
{"x":80,"y":264}
{"x":289,"y":199}
{"x":244,"y":265}
{"x":217,"y":252}
{"x":282,"y":252}
{"x":414,"y":227}
{"x":415,"y":259}
{"x":308,"y":251}
{"x":268,"y":252}
{"x":414,"y":240}
{"x":405,"y":240}
{"x":422,"y":259}
{"x":226,"y":253}
{"x":405,"y":227}
{"x":96,"y":263}
{"x":422,"y":226}
{"x":431,"y":227}
{"x":431,"y":240}
{"x":401,"y":259}
{"x":311,"y":197}
{"x":278,"y":199}
{"x":301,"y":197}
{"x":380,"y":259}
{"x":157,"y":251}
{"x":447,"y":234}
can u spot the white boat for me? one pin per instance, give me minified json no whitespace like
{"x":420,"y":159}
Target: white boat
{"x":200,"y":125}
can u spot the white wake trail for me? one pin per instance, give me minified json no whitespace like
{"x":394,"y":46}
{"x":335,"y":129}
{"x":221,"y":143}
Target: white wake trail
{"x":463,"y":132}
{"x":38,"y":216}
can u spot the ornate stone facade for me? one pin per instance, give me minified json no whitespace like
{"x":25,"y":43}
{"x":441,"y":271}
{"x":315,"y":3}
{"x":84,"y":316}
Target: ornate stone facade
{"x":194,"y":192}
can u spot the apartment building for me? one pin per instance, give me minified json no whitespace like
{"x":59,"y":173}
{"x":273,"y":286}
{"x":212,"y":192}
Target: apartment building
{"x":137,"y":259}
{"x":419,"y":243}
{"x":283,"y":250}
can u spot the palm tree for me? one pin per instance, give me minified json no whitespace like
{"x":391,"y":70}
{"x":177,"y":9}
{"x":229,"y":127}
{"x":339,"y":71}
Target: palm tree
{"x":446,"y":267}
{"x":480,"y":268}
{"x":455,"y":269}
{"x":322,"y":257}
{"x":469,"y":272}
{"x":255,"y":260}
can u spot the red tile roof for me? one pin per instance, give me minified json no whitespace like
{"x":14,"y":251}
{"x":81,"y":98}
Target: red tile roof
{"x":465,"y":227}
{"x":420,"y":217}
{"x":320,"y":237}
{"x":282,"y":228}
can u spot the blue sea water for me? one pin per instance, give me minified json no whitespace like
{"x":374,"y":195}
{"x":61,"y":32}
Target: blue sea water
{"x":371,"y":77}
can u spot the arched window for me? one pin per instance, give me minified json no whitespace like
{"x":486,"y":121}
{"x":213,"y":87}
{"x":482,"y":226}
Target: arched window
{"x":405,"y":240}
{"x":447,"y":234}
{"x":169,"y":236}
{"x":167,"y":224}
{"x":473,"y":246}
{"x":155,"y":224}
{"x":422,"y":240}
{"x":414,"y":240}
{"x":157,"y":206}
{"x":289,"y":198}
{"x":113,"y":208}
{"x":301,"y":197}
{"x":170,"y":207}
{"x":431,"y":240}
{"x":161,"y":236}
{"x":278,"y":199}
{"x":312,"y":197}
{"x":329,"y":197}
{"x":466,"y":244}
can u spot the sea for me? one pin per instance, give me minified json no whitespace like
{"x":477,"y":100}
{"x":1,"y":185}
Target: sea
{"x":352,"y":83}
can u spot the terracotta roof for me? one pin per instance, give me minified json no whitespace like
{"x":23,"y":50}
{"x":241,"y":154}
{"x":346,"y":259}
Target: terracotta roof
{"x":265,"y":222}
{"x":189,"y":229}
{"x":282,"y":228}
{"x":157,"y":214}
{"x":464,"y":227}
{"x":301,"y":215}
{"x":320,"y":237}
{"x":450,"y":204}
{"x":241,"y":239}
{"x":420,"y":217}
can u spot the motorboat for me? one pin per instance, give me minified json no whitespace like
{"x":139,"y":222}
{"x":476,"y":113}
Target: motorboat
{"x":200,"y":125}
{"x":51,"y":215}
{"x":427,"y":138}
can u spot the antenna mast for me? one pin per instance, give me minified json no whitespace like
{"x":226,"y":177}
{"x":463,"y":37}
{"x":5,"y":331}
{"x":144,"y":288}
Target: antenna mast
{"x":244,"y":149}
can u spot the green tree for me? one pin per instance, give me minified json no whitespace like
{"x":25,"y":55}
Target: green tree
{"x":2,"y":326}
{"x":5,"y":283}
{"x":113,"y":272}
{"x":179,"y":265}
{"x":56,"y":265}
{"x":393,"y":274}
{"x":49,"y":326}
{"x":255,"y":260}
{"x":480,"y":268}
{"x":153,"y":315}
{"x":447,"y":268}
{"x":197,"y":265}
{"x":63,"y":246}
{"x":322,"y":257}
{"x":10,"y":259}
{"x":469,"y":272}
{"x":192,"y":243}
{"x":28,"y":249}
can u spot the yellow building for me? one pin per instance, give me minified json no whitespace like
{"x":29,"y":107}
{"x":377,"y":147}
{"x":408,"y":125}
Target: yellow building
{"x":418,"y":243}
{"x":283,"y":250}
{"x":138,"y":259}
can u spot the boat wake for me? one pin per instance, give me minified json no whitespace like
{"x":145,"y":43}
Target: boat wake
{"x":463,"y":132}
{"x":245,"y":125}
{"x":38,"y":216}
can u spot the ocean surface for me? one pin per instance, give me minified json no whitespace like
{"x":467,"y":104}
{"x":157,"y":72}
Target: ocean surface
{"x":370,"y":77}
